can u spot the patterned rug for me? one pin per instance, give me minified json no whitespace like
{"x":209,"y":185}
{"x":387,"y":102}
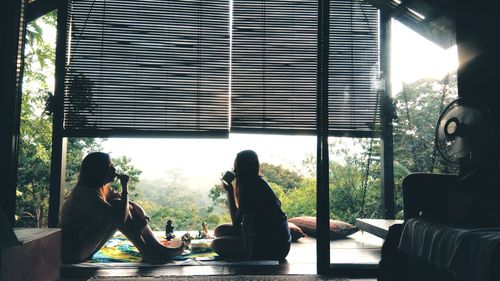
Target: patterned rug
{"x":120,"y":249}
{"x":233,"y":278}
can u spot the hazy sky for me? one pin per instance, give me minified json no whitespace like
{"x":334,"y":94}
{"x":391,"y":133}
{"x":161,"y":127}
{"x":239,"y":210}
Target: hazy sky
{"x":202,"y":160}
{"x":414,"y":57}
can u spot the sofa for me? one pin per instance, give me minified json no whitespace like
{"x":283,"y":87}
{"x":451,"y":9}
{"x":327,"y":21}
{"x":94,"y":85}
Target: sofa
{"x":450,"y":230}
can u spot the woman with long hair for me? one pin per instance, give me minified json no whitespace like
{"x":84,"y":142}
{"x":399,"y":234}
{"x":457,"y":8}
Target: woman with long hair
{"x":259,"y":228}
{"x":94,"y":211}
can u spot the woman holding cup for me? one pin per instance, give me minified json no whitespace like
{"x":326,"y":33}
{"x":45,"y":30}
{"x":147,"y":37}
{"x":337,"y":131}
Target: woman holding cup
{"x":259,"y":228}
{"x":94,"y":211}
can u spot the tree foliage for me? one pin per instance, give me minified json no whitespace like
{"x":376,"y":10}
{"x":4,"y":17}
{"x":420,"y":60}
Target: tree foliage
{"x":354,"y":180}
{"x":286,"y":178}
{"x":418,"y":107}
{"x":172,"y":198}
{"x":123,"y":165}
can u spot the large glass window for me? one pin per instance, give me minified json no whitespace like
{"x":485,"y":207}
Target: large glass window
{"x":179,"y":179}
{"x":424,"y":81}
{"x":354,"y":179}
{"x":354,"y":193}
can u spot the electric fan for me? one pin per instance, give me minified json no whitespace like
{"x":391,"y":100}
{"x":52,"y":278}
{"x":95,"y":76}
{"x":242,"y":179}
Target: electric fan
{"x":461,"y":131}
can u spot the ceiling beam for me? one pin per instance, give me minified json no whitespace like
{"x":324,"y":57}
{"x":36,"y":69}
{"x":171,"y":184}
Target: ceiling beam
{"x":438,"y":26}
{"x":39,"y":8}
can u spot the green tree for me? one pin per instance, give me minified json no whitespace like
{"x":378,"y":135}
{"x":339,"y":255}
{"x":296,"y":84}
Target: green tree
{"x":218,"y":195}
{"x":281,"y":180}
{"x":354,"y":179}
{"x":300,"y":201}
{"x":35,"y":127}
{"x":123,"y":165}
{"x":281,"y":176}
{"x":418,"y":107}
{"x":172,"y":198}
{"x":400,"y":172}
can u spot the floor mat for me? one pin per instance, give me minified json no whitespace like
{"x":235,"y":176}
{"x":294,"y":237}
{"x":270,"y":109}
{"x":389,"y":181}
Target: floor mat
{"x":188,"y":262}
{"x":120,"y":249}
{"x":237,"y":278}
{"x":119,"y":252}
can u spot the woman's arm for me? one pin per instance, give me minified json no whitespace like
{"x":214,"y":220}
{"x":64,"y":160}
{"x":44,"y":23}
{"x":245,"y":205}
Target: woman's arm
{"x":247,"y":229}
{"x":122,"y":208}
{"x":233,"y":209}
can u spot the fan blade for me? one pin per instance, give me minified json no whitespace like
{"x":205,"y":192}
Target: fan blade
{"x":469,"y":115}
{"x":454,"y":111}
{"x":459,"y":147}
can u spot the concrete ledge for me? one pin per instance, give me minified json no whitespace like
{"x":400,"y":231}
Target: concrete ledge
{"x":377,"y":227}
{"x":37,"y":258}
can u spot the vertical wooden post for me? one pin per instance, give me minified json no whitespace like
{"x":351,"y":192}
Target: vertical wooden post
{"x":58,"y":157}
{"x":387,"y":148}
{"x":322,"y":174}
{"x":13,"y":30}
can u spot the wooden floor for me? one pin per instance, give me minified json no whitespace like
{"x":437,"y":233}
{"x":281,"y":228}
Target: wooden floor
{"x":358,"y":253}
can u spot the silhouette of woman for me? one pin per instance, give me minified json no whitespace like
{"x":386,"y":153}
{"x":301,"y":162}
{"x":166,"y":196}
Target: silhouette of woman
{"x":259,"y":228}
{"x":93,"y":212}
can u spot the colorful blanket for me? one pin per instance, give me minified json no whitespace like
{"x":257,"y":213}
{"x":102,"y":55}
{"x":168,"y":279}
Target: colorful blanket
{"x":120,"y":249}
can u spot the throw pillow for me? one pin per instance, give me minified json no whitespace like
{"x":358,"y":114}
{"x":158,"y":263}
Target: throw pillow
{"x":296,"y":232}
{"x":338,"y":229}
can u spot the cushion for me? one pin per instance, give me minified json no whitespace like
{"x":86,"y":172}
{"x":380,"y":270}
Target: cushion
{"x":338,"y":229}
{"x":296,"y":232}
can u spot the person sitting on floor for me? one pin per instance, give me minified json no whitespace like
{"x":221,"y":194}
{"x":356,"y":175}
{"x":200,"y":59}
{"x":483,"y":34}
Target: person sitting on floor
{"x":259,"y":228}
{"x":93,"y":212}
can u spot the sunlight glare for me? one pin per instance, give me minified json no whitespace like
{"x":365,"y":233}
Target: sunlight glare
{"x":414,"y":57}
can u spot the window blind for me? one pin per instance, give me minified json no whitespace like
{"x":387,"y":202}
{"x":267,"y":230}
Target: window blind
{"x":354,"y":107}
{"x":274,"y":66}
{"x":147,"y":67}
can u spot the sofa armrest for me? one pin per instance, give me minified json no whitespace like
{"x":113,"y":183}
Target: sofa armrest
{"x":425,"y":194}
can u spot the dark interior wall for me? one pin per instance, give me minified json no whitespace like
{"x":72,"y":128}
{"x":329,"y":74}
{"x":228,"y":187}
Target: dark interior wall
{"x":12,"y":31}
{"x":478,"y":39}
